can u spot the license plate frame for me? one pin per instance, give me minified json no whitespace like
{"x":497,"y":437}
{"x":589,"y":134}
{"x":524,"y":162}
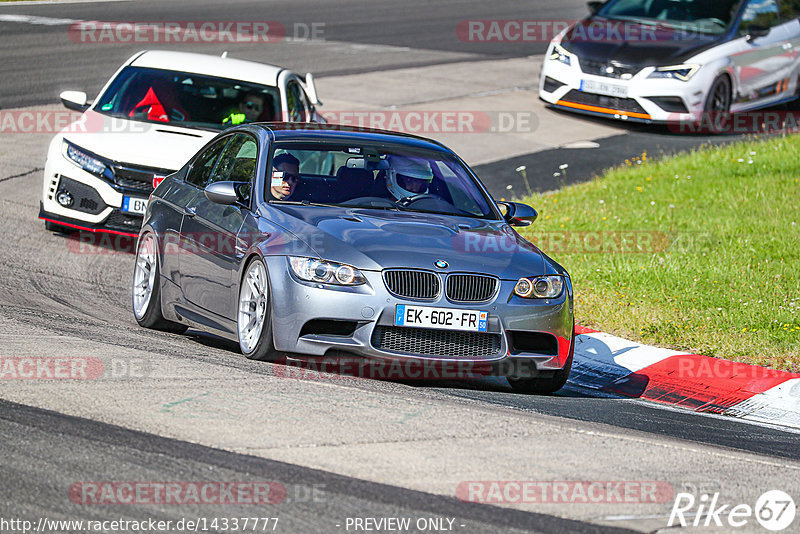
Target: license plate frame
{"x":134,"y":205}
{"x":605,"y":89}
{"x":433,"y":318}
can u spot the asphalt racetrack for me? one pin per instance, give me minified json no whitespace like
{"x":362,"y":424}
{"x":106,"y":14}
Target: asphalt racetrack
{"x":192,"y":409}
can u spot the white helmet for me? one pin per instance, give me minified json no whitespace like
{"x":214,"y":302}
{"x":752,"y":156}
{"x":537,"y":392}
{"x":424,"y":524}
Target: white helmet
{"x":408,"y":168}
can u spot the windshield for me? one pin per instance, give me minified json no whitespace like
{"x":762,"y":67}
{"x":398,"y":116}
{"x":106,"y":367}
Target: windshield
{"x":375,"y":177}
{"x":705,"y":16}
{"x":187,"y":100}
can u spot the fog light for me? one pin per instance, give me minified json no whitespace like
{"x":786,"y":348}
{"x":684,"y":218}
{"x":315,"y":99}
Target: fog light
{"x":64,"y":198}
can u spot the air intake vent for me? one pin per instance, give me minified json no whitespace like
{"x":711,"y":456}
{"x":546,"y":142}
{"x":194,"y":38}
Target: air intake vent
{"x":471,"y":287}
{"x":435,"y":342}
{"x":422,"y":285}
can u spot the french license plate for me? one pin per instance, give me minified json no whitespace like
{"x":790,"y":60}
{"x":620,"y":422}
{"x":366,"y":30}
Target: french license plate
{"x":134,"y":205}
{"x":602,"y":88}
{"x":441,"y":318}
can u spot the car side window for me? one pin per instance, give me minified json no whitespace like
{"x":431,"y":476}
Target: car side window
{"x":238,"y":163}
{"x":764,"y":13}
{"x":296,"y":102}
{"x":203,"y":166}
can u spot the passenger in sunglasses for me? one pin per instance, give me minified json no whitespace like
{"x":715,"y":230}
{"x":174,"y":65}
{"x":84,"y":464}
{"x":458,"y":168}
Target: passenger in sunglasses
{"x":285,"y":176}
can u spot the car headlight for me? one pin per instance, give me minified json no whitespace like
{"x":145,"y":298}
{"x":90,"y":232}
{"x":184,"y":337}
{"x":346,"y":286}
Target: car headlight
{"x":540,"y":287}
{"x":677,"y":72}
{"x":325,"y":272}
{"x":561,"y":55}
{"x":84,"y":160}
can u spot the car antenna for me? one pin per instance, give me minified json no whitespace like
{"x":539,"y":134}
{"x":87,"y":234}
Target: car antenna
{"x":225,"y":54}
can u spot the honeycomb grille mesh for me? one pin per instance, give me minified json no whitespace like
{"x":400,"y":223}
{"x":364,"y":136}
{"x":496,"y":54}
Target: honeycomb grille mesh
{"x":426,"y":342}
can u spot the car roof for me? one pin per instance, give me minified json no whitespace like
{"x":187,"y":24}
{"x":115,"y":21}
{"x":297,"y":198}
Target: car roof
{"x":224,"y":67}
{"x":282,"y":131}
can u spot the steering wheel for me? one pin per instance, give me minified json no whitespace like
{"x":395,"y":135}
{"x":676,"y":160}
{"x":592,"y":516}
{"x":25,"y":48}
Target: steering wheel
{"x":407,"y":201}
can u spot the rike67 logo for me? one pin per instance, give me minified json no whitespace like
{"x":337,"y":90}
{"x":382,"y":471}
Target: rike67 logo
{"x":774,"y":510}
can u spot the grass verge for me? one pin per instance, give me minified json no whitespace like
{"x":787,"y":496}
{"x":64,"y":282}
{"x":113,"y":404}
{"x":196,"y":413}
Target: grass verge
{"x":698,"y":252}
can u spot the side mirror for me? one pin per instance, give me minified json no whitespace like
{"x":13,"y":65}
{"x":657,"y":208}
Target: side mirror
{"x":754,"y":31}
{"x":75,"y":100}
{"x":594,"y":7}
{"x":518,"y":214}
{"x":222,"y":193}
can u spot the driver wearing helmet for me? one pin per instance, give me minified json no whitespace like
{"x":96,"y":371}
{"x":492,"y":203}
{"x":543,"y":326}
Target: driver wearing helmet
{"x":408,"y":177}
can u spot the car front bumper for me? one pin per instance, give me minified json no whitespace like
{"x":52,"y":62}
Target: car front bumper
{"x":367,"y":313}
{"x":645,"y":99}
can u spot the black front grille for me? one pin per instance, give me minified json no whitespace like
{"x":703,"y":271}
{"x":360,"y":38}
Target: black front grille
{"x":471,"y":287}
{"x":608,"y":69}
{"x":412,"y":284}
{"x":124,"y":222}
{"x":443,"y":343}
{"x":139,"y":178}
{"x":610,"y":102}
{"x":85,"y":197}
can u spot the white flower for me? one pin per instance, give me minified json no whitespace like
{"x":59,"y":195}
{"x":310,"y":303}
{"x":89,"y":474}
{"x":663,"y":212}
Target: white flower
{"x":603,"y":202}
{"x":556,"y":174}
{"x":652,"y":203}
{"x":521,"y":168}
{"x":509,"y":187}
{"x":563,"y":167}
{"x":672,"y":206}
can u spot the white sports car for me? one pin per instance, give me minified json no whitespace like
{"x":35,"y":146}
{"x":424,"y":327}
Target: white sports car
{"x":157,"y":111}
{"x":675,"y":60}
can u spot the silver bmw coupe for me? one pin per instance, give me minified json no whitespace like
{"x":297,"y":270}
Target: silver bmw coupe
{"x":316,"y":240}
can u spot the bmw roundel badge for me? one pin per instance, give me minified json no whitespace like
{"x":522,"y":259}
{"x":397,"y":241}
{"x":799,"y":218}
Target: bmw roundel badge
{"x":441,"y":264}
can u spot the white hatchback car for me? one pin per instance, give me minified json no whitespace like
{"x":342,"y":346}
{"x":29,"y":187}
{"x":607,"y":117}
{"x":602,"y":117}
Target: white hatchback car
{"x":157,"y":111}
{"x":675,"y":60}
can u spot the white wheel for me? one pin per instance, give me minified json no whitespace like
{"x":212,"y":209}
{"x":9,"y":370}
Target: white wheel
{"x":144,"y":276}
{"x":253,"y":302}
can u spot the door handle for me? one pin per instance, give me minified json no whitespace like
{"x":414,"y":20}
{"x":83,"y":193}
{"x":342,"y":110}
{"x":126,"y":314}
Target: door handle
{"x":190,"y":211}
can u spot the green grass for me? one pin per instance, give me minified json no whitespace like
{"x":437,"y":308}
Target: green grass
{"x":718,"y":272}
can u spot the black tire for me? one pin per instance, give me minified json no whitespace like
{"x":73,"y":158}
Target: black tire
{"x":549,"y":385}
{"x":57,"y":228}
{"x":153,"y":318}
{"x":717,"y":108}
{"x":264,"y":351}
{"x":794,"y":105}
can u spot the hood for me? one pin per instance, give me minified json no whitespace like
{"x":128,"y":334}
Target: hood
{"x":375,"y":240}
{"x":633,"y":44}
{"x":160,"y":146}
